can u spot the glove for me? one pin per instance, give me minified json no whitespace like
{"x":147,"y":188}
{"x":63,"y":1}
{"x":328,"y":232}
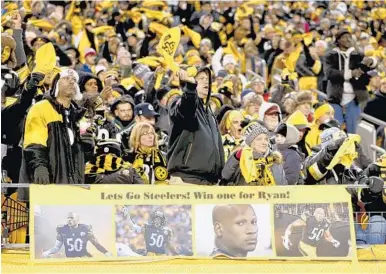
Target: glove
{"x":46,"y":254}
{"x":129,"y":176}
{"x":35,"y":80}
{"x":335,"y":145}
{"x":335,"y":243}
{"x":286,"y":242}
{"x":41,"y":176}
{"x":375,"y":184}
{"x":125,"y":211}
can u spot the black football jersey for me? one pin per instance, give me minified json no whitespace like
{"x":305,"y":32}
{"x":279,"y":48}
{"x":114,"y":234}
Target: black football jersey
{"x":156,"y":239}
{"x":314,"y":231}
{"x":75,"y":239}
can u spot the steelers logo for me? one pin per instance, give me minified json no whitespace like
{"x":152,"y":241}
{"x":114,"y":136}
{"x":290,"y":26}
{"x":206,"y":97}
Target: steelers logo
{"x":161,"y":173}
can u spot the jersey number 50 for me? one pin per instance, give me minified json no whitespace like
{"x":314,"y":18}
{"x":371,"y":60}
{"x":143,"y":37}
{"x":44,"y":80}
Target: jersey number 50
{"x":316,"y":234}
{"x":74,"y":245}
{"x":156,"y":240}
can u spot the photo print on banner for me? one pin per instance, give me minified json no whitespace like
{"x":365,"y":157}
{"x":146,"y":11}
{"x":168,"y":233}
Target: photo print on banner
{"x":73,"y":231}
{"x":154,"y":230}
{"x":238,"y":230}
{"x":312,"y":230}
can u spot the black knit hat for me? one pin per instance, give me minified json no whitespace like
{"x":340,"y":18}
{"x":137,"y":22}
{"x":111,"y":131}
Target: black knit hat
{"x":340,"y":33}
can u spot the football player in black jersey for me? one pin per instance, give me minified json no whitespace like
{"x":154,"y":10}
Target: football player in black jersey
{"x":315,"y":228}
{"x":74,"y":236}
{"x":157,"y":235}
{"x":235,"y":228}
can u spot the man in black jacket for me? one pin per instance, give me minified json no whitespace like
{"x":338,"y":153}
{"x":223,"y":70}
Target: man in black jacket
{"x":376,"y":107}
{"x":195,"y":154}
{"x":346,"y":73}
{"x":52,"y":147}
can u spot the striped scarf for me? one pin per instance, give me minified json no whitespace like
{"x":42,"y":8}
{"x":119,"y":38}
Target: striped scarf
{"x":107,"y":163}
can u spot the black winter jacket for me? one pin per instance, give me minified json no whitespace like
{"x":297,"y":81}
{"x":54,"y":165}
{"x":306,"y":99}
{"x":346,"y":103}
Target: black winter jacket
{"x":195,"y":145}
{"x":47,"y":142}
{"x":334,"y":73}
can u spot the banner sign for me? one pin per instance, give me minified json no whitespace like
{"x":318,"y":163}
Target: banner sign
{"x":116,"y":222}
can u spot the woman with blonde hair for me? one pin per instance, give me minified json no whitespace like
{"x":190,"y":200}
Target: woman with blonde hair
{"x":231,"y":131}
{"x":149,"y":162}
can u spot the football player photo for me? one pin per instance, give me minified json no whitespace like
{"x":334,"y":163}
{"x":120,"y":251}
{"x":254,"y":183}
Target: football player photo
{"x":235,"y":231}
{"x":70,"y":229}
{"x":312,"y":230}
{"x":154,"y":231}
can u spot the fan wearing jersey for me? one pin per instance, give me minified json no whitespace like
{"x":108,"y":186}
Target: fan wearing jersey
{"x":315,"y":228}
{"x":74,"y":236}
{"x":157,"y":235}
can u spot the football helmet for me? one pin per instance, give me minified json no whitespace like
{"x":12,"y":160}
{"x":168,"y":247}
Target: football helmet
{"x":155,"y":215}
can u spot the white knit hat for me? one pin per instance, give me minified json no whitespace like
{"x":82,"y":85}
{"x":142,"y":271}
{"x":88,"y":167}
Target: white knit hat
{"x":65,"y":73}
{"x":228,"y":59}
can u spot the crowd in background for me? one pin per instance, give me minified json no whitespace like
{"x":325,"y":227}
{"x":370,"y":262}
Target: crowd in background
{"x":89,"y":96}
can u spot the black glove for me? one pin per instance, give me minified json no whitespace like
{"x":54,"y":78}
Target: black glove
{"x":88,"y":141}
{"x":335,"y":145}
{"x":35,"y":80}
{"x":223,"y":182}
{"x":41,"y":176}
{"x":375,"y":184}
{"x":129,"y":176}
{"x":309,"y":60}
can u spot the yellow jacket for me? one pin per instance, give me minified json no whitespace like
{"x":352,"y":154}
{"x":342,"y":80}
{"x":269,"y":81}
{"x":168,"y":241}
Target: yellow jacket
{"x":313,"y":137}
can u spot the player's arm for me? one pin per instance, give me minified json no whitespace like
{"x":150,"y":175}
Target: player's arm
{"x":328,"y":237}
{"x":55,"y":248}
{"x":288,"y":232}
{"x":94,"y":241}
{"x":170,"y":246}
{"x":297,"y":223}
{"x":132,"y":225}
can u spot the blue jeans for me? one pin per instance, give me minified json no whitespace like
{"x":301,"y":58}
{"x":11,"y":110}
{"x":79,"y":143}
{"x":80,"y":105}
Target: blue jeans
{"x":375,"y":232}
{"x":349,"y":114}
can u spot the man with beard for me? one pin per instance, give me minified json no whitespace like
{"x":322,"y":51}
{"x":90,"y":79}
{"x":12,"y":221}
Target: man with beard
{"x":235,"y":228}
{"x":123,"y":110}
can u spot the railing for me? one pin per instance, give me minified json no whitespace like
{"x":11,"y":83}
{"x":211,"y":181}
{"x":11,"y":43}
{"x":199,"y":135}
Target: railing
{"x":373,"y":120}
{"x":378,"y":149}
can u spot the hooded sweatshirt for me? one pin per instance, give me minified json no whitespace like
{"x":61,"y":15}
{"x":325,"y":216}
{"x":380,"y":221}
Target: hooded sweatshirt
{"x":292,"y":157}
{"x":263,"y":109}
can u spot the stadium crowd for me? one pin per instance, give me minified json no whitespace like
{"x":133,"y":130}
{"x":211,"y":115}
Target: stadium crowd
{"x":89,"y":96}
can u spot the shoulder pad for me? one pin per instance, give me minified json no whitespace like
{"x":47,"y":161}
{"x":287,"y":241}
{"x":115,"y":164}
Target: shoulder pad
{"x":59,"y":227}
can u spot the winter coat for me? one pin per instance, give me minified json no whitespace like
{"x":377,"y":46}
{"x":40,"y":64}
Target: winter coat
{"x":110,"y":169}
{"x":52,"y":140}
{"x":334,"y":73}
{"x":232,"y":175}
{"x":376,"y":107}
{"x":195,"y":146}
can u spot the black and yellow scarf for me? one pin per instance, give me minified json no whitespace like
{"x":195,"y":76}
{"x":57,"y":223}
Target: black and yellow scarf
{"x":230,"y":144}
{"x":257,"y":171}
{"x":151,"y":165}
{"x":107,"y":163}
